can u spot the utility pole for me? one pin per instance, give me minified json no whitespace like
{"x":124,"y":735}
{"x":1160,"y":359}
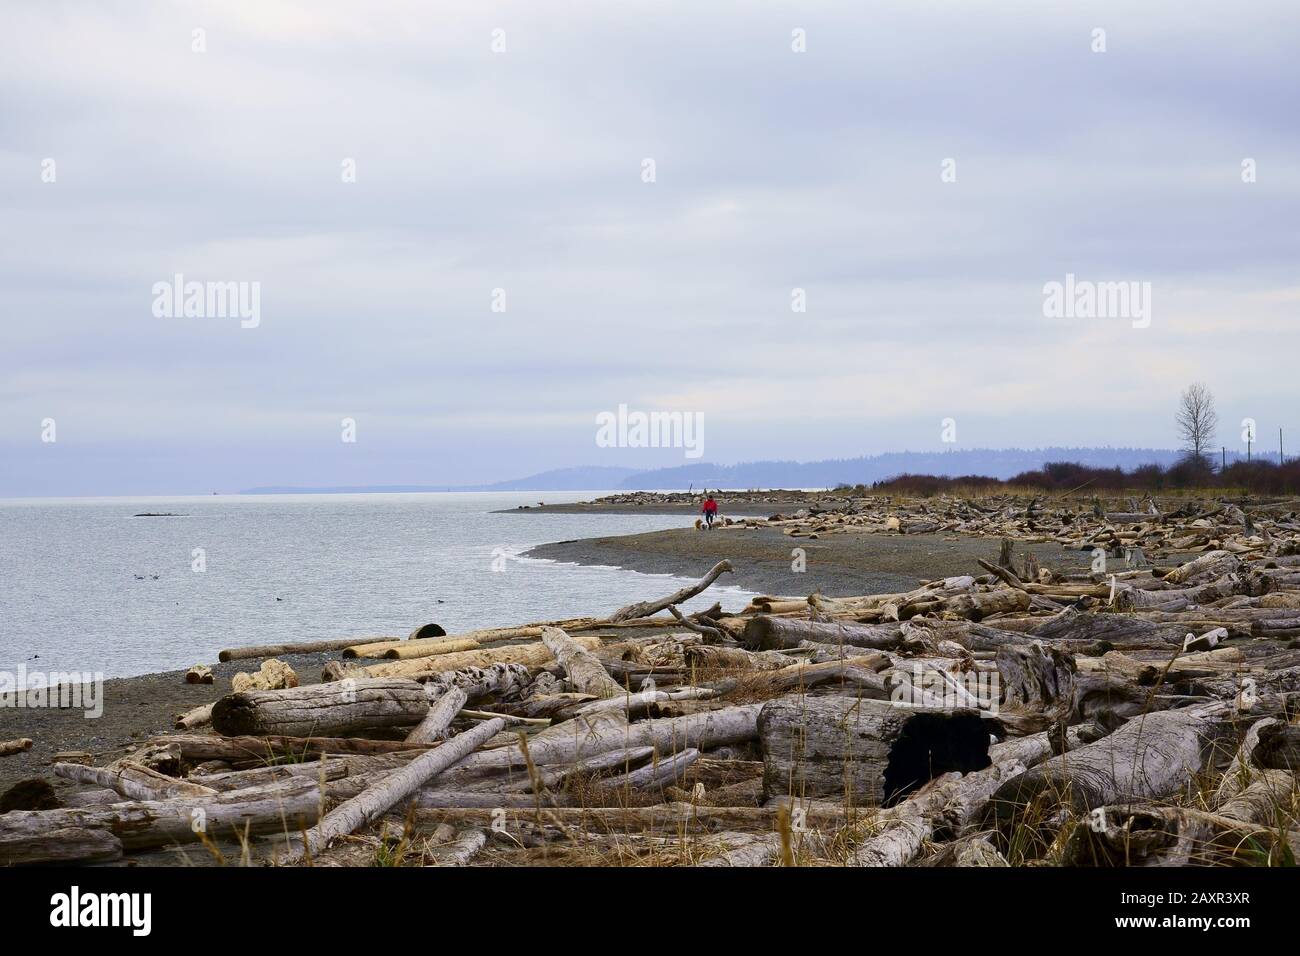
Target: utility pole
{"x":1223,"y":451}
{"x":1279,"y":447}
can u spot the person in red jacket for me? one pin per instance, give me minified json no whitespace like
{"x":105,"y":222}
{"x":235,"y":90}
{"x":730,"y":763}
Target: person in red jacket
{"x":710,"y":510}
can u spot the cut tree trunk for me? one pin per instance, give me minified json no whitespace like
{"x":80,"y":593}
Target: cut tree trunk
{"x":346,"y":707}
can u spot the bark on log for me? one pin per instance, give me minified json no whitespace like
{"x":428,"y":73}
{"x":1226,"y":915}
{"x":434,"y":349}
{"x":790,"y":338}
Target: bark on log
{"x":345,"y":707}
{"x":647,"y":608}
{"x":584,"y":671}
{"x":132,"y":781}
{"x":867,"y":752}
{"x":375,"y":801}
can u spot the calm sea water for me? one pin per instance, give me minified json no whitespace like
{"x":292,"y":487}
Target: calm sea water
{"x":85,"y":586}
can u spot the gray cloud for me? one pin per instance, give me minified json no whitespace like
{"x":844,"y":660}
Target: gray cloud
{"x":521,"y":170}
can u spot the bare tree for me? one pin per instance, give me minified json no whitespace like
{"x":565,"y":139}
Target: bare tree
{"x":1197,"y":421}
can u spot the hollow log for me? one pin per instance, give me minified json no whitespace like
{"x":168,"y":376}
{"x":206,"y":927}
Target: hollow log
{"x":583,"y":670}
{"x":647,"y":608}
{"x":344,"y":707}
{"x":868,"y":752}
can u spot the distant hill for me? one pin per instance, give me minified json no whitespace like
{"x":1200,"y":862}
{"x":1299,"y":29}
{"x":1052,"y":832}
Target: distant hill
{"x":581,"y":478}
{"x":993,"y":462}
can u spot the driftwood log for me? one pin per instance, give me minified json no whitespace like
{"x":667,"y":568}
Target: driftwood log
{"x":345,"y":707}
{"x":647,"y":608}
{"x":866,"y":752}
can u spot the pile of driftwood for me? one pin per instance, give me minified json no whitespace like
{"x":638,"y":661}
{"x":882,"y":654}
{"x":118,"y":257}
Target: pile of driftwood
{"x":1135,"y":530}
{"x":1005,"y":718}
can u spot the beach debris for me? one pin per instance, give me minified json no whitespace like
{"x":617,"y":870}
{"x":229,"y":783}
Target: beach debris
{"x":10,"y":747}
{"x":273,"y":675}
{"x":199,"y":674}
{"x":1120,"y":713}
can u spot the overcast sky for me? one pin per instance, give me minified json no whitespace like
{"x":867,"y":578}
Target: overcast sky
{"x":522,"y":170}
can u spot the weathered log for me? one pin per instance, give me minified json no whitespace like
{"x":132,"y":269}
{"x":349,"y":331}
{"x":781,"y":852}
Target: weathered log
{"x":198,"y":717}
{"x":531,"y":655}
{"x":647,"y":608}
{"x":199,"y":674}
{"x":277,"y":650}
{"x":462,"y":849}
{"x":1150,"y":757}
{"x":770,"y":633}
{"x":10,"y":747}
{"x":734,"y":658}
{"x":439,"y":718}
{"x":657,"y":774}
{"x":256,"y":751}
{"x":749,"y":849}
{"x":345,"y":707}
{"x":273,"y":675}
{"x":152,"y":823}
{"x":867,"y":752}
{"x":66,"y":844}
{"x":588,"y":736}
{"x":583,"y":670}
{"x":672,"y":817}
{"x":132,"y":781}
{"x":950,"y":801}
{"x":1207,"y":567}
{"x":377,"y":800}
